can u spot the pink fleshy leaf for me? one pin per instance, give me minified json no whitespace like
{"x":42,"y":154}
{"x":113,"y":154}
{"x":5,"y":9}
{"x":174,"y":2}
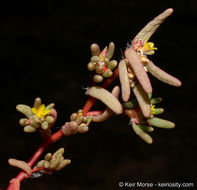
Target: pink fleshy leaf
{"x":152,"y":26}
{"x":108,"y":112}
{"x":162,"y":75}
{"x":124,"y":81}
{"x":143,"y":100}
{"x":139,"y":70}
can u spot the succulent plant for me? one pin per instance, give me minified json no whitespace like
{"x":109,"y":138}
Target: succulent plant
{"x":140,"y":108}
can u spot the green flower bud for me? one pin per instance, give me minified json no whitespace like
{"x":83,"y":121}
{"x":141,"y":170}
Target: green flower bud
{"x":45,"y":125}
{"x":107,"y":73}
{"x":29,"y":129}
{"x":95,"y":59}
{"x":112,"y":64}
{"x":83,"y":128}
{"x":95,"y":50}
{"x":91,"y":66}
{"x":99,"y":69}
{"x":110,"y":50}
{"x":37,"y":102}
{"x":73,"y":116}
{"x":48,"y":156}
{"x":97,"y":78}
{"x":23,"y":121}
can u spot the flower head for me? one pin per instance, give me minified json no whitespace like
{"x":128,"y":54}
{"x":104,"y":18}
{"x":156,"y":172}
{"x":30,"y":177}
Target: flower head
{"x":40,"y":111}
{"x":149,"y":46}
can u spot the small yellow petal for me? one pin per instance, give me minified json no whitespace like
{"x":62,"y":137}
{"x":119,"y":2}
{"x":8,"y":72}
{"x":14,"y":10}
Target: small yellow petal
{"x":152,"y":108}
{"x":41,"y":108}
{"x":46,"y":112}
{"x":34,"y":110}
{"x":146,"y":41}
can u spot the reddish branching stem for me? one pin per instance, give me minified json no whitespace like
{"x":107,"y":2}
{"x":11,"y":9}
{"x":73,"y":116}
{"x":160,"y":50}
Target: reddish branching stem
{"x":94,"y":113}
{"x":15,"y":182}
{"x":22,"y":175}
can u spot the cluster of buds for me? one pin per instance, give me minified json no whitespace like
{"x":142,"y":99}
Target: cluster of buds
{"x":78,"y":123}
{"x":141,"y":125}
{"x":38,"y":117}
{"x":100,"y":62}
{"x":53,"y":162}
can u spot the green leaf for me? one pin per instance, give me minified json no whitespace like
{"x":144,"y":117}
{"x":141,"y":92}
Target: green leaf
{"x":156,"y":100}
{"x":130,"y":105}
{"x":158,"y":111}
{"x":142,"y":134}
{"x":146,"y":128}
{"x":161,"y":123}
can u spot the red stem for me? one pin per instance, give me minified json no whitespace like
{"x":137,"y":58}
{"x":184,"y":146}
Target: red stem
{"x":94,"y":113}
{"x":36,"y":155}
{"x":56,"y":136}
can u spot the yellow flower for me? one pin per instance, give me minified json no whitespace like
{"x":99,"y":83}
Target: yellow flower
{"x":80,"y":114}
{"x":149,"y":46}
{"x":152,"y":108}
{"x":40,"y":111}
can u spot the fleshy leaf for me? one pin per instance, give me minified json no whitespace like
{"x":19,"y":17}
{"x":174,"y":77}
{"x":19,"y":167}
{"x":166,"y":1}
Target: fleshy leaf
{"x":110,"y":50}
{"x":124,"y":81}
{"x":26,"y":110}
{"x":142,"y":134}
{"x":146,"y":128}
{"x":106,"y":97}
{"x":161,"y":123}
{"x":162,"y":75}
{"x":152,"y":26}
{"x":158,"y":111}
{"x":95,"y":50}
{"x":143,"y":100}
{"x":156,"y":100}
{"x":138,"y":68}
{"x":108,"y":112}
{"x":130,"y":105}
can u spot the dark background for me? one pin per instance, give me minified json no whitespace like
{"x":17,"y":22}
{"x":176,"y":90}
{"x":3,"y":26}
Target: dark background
{"x":44,"y":50}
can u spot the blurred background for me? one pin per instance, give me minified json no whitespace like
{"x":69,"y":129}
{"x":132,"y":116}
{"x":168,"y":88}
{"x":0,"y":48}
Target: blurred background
{"x":44,"y":50}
